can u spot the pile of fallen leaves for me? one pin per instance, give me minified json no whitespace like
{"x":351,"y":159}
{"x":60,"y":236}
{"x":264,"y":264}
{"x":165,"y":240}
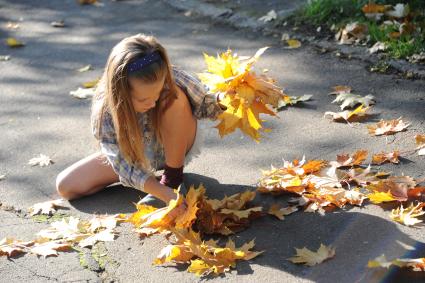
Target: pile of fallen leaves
{"x":323,"y":186}
{"x":207,"y":216}
{"x":246,"y":94}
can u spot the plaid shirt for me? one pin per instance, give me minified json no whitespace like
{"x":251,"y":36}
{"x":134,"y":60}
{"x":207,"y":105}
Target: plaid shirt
{"x":204,"y":105}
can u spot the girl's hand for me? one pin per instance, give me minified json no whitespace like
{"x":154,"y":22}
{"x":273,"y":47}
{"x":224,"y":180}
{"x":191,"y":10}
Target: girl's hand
{"x":182,"y":208}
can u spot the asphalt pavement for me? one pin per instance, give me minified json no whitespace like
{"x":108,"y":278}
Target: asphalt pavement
{"x":37,"y":115}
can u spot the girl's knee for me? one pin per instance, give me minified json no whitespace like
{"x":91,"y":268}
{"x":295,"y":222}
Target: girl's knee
{"x":65,"y":187}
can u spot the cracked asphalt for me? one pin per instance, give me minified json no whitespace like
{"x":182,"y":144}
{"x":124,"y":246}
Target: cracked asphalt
{"x":37,"y":115}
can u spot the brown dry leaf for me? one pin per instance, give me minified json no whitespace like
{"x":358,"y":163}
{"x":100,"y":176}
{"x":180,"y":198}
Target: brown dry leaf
{"x":351,"y":33}
{"x":356,"y":115}
{"x":340,"y":89}
{"x":49,"y":248}
{"x":11,"y":247}
{"x":47,"y":207}
{"x":408,"y":216}
{"x":345,"y":160}
{"x":420,"y":143}
{"x":416,"y":264}
{"x":384,"y":157}
{"x":280,"y":212}
{"x":42,"y":160}
{"x":388,"y":127}
{"x":311,"y":258}
{"x":87,"y":2}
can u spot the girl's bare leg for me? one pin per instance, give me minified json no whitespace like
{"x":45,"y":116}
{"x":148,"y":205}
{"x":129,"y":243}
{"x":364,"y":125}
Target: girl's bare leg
{"x":85,"y":177}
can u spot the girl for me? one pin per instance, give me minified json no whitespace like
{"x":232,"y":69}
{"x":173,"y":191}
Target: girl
{"x":144,"y":117}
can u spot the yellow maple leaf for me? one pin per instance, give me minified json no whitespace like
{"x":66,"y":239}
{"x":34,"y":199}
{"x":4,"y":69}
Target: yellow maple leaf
{"x":311,"y":258}
{"x":407,"y":216}
{"x":246,"y":95}
{"x":379,"y":197}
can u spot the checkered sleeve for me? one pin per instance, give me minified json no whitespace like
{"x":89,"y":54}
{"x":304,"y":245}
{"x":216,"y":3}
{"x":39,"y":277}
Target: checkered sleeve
{"x":204,"y":103}
{"x":129,"y":175}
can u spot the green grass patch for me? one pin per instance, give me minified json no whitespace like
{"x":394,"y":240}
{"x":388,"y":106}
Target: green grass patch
{"x":338,"y":13}
{"x":49,"y":218}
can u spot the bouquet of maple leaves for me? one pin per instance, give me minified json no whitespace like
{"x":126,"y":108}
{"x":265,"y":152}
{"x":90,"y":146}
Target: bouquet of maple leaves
{"x":245,"y":94}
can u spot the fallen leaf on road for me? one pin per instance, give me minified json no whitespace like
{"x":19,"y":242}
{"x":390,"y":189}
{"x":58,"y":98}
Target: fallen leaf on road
{"x":91,"y":84}
{"x":12,"y":25}
{"x":311,"y":258}
{"x":280,"y":212}
{"x":416,"y":264}
{"x":380,"y":197}
{"x":42,"y":160}
{"x":420,"y":143}
{"x":2,"y":177}
{"x":13,"y":42}
{"x":270,"y":16}
{"x":83,"y":93}
{"x":351,"y":100}
{"x":292,"y":100}
{"x":293,"y":43}
{"x":356,"y":115}
{"x":408,"y":216}
{"x":344,"y":160}
{"x":49,"y":248}
{"x":388,"y":127}
{"x":11,"y":247}
{"x":85,"y":68}
{"x":341,"y":89}
{"x":4,"y":58}
{"x":87,"y":2}
{"x":47,"y":207}
{"x":58,"y":24}
{"x":382,"y":157}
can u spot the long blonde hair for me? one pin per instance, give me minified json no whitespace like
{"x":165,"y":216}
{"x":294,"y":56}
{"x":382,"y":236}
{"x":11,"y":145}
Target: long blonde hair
{"x":113,"y":95}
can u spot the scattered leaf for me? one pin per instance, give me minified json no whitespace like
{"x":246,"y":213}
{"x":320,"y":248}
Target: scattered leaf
{"x":91,"y":84}
{"x":47,"y":207}
{"x":420,"y":143}
{"x":384,"y":157}
{"x":351,"y":100}
{"x":13,"y":42}
{"x":388,"y":127}
{"x":279,"y":212}
{"x":270,"y":16}
{"x":11,"y":247}
{"x":356,"y":115}
{"x":85,"y":68}
{"x":416,"y":264}
{"x":351,"y":33}
{"x":58,"y":24}
{"x":344,"y":160}
{"x":49,"y":248}
{"x":311,"y":258}
{"x":4,"y":57}
{"x":42,"y":160}
{"x":292,"y":100}
{"x":339,"y":89}
{"x":293,"y":43}
{"x":379,"y":197}
{"x":83,"y":93}
{"x":408,"y":216}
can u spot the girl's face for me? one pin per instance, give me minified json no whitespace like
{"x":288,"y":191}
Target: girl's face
{"x":144,"y":95}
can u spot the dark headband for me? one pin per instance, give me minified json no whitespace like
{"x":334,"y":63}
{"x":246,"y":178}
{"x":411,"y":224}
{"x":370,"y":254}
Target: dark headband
{"x":143,"y":62}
